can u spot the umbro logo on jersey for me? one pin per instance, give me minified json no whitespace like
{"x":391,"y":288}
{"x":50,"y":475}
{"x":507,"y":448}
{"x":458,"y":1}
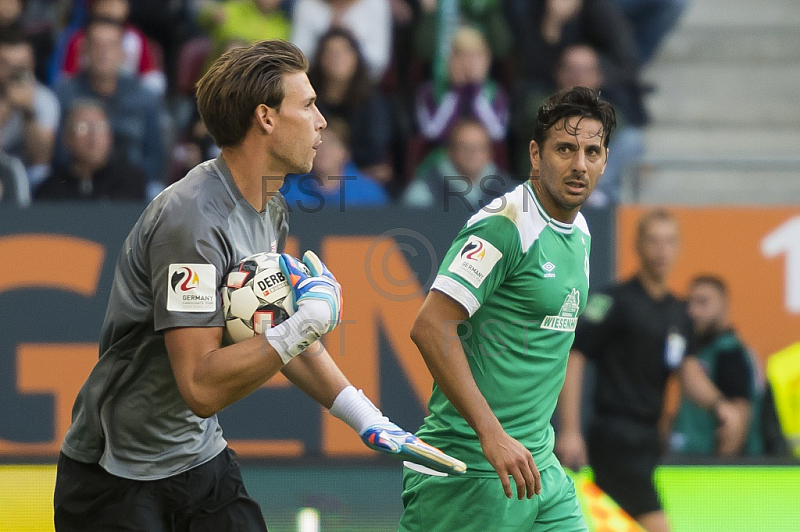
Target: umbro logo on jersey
{"x":548,"y":267}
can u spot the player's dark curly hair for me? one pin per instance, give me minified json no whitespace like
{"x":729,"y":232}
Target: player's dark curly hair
{"x":567,"y":103}
{"x":239,"y":81}
{"x":716,"y":282}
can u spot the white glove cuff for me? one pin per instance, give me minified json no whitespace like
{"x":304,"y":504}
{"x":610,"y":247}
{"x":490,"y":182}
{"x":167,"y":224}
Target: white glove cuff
{"x":355,"y":409}
{"x":294,"y":335}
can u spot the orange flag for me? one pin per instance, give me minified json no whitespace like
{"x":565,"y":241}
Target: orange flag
{"x":602,"y":514}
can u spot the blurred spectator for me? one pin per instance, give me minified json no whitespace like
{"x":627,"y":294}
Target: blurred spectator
{"x":133,"y":111}
{"x":335,"y":181}
{"x":168,"y":23}
{"x":195,"y":146}
{"x":29,"y":111}
{"x":725,"y":362}
{"x":581,"y":65}
{"x":30,"y":18}
{"x":50,"y":12}
{"x":14,"y":187}
{"x":89,"y":172}
{"x":463,"y":174}
{"x":651,"y":21}
{"x":437,"y":23}
{"x":370,"y":22}
{"x":344,"y":90}
{"x":783,"y":398}
{"x":543,"y":29}
{"x":243,"y":20}
{"x":11,"y":14}
{"x":140,"y":58}
{"x":398,"y":79}
{"x":468,"y":93}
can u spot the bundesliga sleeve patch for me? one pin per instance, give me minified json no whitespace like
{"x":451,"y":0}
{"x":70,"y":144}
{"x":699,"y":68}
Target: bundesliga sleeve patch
{"x":192,"y":288}
{"x":475,"y":260}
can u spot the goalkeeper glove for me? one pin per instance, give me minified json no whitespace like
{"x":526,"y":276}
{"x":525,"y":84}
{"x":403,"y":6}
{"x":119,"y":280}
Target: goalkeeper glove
{"x":317,"y":302}
{"x":386,"y":437}
{"x":380,"y":434}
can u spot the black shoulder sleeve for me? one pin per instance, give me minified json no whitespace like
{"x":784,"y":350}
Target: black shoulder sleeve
{"x":596,"y":324}
{"x":734,"y":376}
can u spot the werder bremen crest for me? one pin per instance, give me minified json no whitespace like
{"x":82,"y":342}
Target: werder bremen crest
{"x":567,"y":317}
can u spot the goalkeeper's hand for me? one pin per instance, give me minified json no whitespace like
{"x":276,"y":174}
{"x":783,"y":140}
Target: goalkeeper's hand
{"x":317,"y":303}
{"x":386,"y":437}
{"x":316,"y":293}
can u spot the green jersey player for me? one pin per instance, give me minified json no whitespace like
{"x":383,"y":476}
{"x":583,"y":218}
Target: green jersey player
{"x":495,"y":332}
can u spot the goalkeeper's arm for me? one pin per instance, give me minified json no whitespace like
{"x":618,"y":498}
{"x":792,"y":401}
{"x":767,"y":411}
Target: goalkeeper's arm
{"x":211,"y":377}
{"x":322,"y":380}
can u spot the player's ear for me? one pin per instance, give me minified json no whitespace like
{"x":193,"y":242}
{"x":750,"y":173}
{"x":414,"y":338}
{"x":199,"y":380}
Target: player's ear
{"x":535,"y":157}
{"x":265,"y":118}
{"x":605,"y":163}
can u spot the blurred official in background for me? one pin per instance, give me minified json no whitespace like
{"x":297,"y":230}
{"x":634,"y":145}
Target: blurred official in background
{"x":638,"y":334}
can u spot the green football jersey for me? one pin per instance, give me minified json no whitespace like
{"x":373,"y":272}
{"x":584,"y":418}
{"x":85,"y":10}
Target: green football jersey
{"x":523,"y":277}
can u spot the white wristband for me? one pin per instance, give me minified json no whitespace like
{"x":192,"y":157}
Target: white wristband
{"x":355,"y":409}
{"x":294,"y":335}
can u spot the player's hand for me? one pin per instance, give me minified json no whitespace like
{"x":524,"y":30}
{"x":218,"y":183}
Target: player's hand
{"x":571,"y":450}
{"x":510,"y":458}
{"x":317,"y":294}
{"x":388,"y":438}
{"x":318,"y":269}
{"x":732,"y":429}
{"x":726,"y":413}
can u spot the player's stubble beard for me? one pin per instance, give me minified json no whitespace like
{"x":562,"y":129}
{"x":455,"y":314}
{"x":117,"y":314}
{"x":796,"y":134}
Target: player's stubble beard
{"x":290,"y":166}
{"x":561,"y":200}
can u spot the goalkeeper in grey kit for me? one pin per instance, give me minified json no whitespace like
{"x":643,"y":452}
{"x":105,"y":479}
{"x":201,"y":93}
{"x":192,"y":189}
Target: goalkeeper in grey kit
{"x":145,"y":450}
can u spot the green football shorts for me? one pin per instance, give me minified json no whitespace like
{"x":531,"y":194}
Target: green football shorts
{"x":447,"y":504}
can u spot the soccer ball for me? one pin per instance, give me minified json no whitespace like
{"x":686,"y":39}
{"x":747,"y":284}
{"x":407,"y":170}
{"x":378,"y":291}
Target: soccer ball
{"x":255,"y":296}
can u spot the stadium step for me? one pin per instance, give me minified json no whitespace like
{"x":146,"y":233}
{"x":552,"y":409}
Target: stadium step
{"x":705,"y":94}
{"x":717,"y":141}
{"x":725,"y":112}
{"x":741,"y":13}
{"x":774,"y":43}
{"x":747,"y":185}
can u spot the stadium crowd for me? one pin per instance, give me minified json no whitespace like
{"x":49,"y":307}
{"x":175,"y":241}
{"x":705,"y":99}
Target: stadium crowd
{"x":420,"y":90}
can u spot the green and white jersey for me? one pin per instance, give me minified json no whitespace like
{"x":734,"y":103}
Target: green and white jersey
{"x":523,"y":277}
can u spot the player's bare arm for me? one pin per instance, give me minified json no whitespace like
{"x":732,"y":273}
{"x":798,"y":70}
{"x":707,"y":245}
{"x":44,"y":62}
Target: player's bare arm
{"x":699,"y":388}
{"x":316,"y":374}
{"x":732,"y":435}
{"x":570,"y":444}
{"x":434,"y":332}
{"x":211,"y":377}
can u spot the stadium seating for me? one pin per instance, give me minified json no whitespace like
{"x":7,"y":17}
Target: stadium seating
{"x":724,"y":114}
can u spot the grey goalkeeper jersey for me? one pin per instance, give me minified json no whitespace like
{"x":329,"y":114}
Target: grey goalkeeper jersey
{"x":129,"y":415}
